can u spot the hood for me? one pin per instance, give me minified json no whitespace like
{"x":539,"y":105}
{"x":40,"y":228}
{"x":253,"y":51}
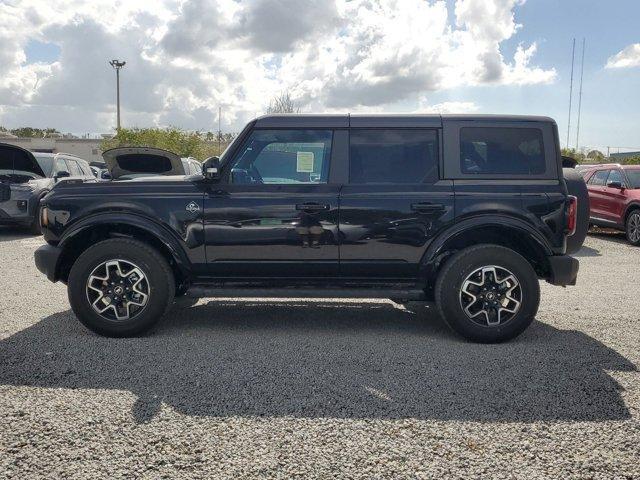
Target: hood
{"x":18,"y":165}
{"x":142,"y":161}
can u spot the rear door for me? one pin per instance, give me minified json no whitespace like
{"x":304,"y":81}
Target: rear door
{"x":394,"y":202}
{"x":614,"y":199}
{"x":595,"y":185}
{"x":73,"y":168}
{"x":275,"y":214}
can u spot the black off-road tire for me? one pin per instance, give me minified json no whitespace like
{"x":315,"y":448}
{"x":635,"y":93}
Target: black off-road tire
{"x":630,"y":226}
{"x":35,"y":228}
{"x":450,"y":282}
{"x":153,"y":265}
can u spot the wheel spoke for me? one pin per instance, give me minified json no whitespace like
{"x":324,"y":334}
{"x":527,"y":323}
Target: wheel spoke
{"x":117,"y":290}
{"x":491,"y":294}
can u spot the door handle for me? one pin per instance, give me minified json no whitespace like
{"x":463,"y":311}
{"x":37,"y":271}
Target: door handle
{"x":312,"y":207}
{"x":428,"y":207}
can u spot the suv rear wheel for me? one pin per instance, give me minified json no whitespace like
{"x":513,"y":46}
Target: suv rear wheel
{"x":633,"y":228}
{"x":487,"y":293}
{"x":120,"y":287}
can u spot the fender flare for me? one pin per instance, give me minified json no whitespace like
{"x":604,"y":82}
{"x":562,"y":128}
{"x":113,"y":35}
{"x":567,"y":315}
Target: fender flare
{"x":489,"y":220}
{"x":33,"y":206}
{"x":628,"y":208}
{"x":140,"y":222}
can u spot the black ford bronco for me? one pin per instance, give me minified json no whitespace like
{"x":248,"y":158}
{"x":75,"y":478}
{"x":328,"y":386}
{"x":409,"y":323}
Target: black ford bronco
{"x":469,"y":211}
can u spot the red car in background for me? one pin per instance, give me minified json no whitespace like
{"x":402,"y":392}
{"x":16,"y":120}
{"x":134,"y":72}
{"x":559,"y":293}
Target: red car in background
{"x":614,"y":198}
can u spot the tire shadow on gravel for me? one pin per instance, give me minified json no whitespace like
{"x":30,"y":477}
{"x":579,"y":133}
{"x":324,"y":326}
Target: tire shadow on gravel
{"x":325,"y":359}
{"x":609,"y":234}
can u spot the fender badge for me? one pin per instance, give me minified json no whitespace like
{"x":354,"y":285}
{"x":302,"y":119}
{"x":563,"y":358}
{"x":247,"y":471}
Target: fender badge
{"x":193,"y":207}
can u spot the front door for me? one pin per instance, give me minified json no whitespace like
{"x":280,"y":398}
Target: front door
{"x":274,"y":213}
{"x":394,"y":203}
{"x":614,"y":199}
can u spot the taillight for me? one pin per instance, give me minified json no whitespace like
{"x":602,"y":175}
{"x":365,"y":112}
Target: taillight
{"x":572,"y":215}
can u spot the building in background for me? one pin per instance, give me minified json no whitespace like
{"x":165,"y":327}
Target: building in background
{"x":86,"y":148}
{"x":622,"y":156}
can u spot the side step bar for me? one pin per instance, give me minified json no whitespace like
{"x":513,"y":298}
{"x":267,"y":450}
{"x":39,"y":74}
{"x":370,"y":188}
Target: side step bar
{"x":198,"y":291}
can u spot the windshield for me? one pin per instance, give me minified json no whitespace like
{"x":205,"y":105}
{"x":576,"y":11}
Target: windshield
{"x":16,"y":165}
{"x":634,"y":177}
{"x":46,"y":164}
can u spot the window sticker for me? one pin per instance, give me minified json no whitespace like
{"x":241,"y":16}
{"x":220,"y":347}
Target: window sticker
{"x":304,"y":162}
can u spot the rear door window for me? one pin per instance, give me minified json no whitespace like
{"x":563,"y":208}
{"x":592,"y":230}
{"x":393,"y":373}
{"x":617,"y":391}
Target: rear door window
{"x":393,"y":156}
{"x":501,"y":151}
{"x":615,"y":176}
{"x":599,"y":178}
{"x":73,"y":167}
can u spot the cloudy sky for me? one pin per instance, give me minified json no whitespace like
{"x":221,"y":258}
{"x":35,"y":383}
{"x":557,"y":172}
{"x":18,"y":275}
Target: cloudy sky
{"x":186,"y":58}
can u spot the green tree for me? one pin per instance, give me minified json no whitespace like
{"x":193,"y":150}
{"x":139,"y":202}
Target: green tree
{"x":632,"y":160}
{"x":200,"y":145}
{"x":30,"y":132}
{"x":596,"y":155}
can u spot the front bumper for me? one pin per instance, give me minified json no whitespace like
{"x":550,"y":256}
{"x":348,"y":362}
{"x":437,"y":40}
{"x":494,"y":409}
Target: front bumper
{"x":46,"y":258}
{"x":564,"y":270}
{"x":19,"y":209}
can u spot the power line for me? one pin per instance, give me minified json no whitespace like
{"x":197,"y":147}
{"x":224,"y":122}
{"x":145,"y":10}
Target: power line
{"x":573,"y":56}
{"x":580,"y":97}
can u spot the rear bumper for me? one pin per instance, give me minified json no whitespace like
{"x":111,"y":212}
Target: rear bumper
{"x":46,"y":258}
{"x":564,"y":270}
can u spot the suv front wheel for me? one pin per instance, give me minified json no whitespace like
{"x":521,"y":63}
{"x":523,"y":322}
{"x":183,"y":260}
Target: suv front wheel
{"x":487,"y":293}
{"x":120,"y":287}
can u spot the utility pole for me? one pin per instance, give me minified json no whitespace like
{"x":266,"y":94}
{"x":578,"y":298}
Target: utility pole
{"x":573,"y":56}
{"x":580,"y":98}
{"x":219,"y":130}
{"x":117,"y":65}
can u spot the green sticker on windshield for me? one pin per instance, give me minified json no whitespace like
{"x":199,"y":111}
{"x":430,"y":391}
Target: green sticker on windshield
{"x":304,"y":162}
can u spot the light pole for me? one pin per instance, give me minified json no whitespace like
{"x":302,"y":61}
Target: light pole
{"x":117,"y":65}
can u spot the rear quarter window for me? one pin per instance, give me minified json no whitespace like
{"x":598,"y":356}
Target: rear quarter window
{"x":501,"y":151}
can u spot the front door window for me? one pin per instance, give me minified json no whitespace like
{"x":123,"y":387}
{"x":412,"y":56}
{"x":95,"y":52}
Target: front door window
{"x":283,"y":157}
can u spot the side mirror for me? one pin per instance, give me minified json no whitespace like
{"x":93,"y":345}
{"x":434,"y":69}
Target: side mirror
{"x":617,"y":185}
{"x":211,"y":168}
{"x":61,"y":174}
{"x":105,"y":175}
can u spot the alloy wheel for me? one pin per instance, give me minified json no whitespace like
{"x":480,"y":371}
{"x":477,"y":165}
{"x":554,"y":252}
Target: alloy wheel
{"x":633,"y":227}
{"x":491,"y":295}
{"x":117,"y":290}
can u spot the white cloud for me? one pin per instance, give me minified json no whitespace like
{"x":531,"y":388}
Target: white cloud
{"x":184,"y":59}
{"x":446,"y":107}
{"x":628,"y":57}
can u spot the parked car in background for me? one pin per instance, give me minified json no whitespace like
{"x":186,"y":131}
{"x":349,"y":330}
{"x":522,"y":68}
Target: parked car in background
{"x":127,"y":163}
{"x":583,"y":168}
{"x":192,"y":166}
{"x":614,"y":198}
{"x":26,"y":177}
{"x":469,"y":211}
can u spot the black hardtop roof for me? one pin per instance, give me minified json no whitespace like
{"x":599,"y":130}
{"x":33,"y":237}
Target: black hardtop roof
{"x":384,"y":120}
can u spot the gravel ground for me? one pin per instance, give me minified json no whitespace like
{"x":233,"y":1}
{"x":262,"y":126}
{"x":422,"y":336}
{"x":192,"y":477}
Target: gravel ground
{"x":322,"y":389}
